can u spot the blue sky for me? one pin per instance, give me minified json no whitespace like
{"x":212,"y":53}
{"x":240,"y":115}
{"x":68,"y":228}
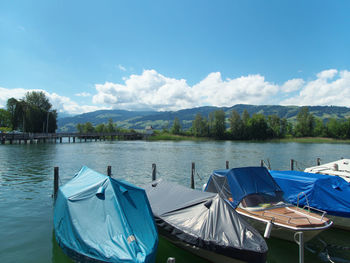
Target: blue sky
{"x":169,"y":55}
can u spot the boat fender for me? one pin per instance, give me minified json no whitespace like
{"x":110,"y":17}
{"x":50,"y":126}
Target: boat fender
{"x":268,"y":229}
{"x":170,"y":260}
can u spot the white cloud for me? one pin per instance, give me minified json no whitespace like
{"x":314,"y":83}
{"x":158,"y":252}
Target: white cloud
{"x":122,"y":68}
{"x":329,"y":88}
{"x":327,"y":74}
{"x":154,"y":91}
{"x":83,"y":94}
{"x":292,"y":85}
{"x":151,"y":90}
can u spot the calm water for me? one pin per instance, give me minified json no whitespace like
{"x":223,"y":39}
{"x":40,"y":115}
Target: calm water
{"x":26,"y":182}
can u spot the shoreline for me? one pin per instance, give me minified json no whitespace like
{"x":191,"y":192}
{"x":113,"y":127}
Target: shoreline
{"x":173,"y":137}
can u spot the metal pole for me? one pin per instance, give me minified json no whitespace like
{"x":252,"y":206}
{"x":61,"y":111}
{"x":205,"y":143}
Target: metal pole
{"x":154,"y":171}
{"x":300,"y":243}
{"x":192,"y":175}
{"x":55,"y":182}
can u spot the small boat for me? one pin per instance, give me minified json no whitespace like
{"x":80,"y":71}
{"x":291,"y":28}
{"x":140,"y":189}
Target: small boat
{"x":324,"y":192}
{"x":204,"y":224}
{"x":339,"y":168}
{"x":101,"y":219}
{"x":257,"y":197}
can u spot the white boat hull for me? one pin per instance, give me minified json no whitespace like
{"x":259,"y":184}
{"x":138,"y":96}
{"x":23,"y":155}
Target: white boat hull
{"x":279,"y":231}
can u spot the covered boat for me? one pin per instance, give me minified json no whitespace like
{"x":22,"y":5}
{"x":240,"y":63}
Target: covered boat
{"x":256,"y":196}
{"x":204,"y":224}
{"x":339,"y":168}
{"x":101,"y":219}
{"x":324,"y":192}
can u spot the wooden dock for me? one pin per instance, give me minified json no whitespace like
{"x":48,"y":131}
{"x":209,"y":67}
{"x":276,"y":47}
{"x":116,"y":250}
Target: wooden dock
{"x":72,"y":137}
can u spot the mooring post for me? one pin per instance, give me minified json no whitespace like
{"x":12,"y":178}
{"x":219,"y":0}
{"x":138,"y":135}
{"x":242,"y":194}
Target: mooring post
{"x":109,"y":170}
{"x":192,"y":175}
{"x":154,"y":171}
{"x":291,"y":164}
{"x":318,"y":161}
{"x":55,"y":182}
{"x":227,"y":165}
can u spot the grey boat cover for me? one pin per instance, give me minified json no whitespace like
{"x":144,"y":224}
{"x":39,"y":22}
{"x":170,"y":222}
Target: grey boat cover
{"x":204,"y":220}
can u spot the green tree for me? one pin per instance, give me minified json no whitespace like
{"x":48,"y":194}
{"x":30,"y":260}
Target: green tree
{"x":319,"y":129}
{"x":38,"y":100}
{"x":80,"y":128}
{"x":12,"y":108}
{"x":245,"y":128}
{"x":258,"y":127}
{"x":305,"y":123}
{"x":199,"y":126}
{"x":176,"y":129}
{"x":111,"y":127}
{"x":236,"y":125}
{"x":219,"y":126}
{"x":275,"y":126}
{"x":5,"y":118}
{"x":100,"y":128}
{"x":88,"y":128}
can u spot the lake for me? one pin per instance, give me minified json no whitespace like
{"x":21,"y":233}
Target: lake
{"x":26,"y":184}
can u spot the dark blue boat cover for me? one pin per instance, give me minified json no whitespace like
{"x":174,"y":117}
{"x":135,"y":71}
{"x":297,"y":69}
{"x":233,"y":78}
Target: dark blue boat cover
{"x":238,"y":183}
{"x":104,"y":219}
{"x":325,"y":192}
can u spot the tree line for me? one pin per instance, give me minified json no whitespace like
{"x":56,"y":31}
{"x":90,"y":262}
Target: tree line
{"x":33,"y":113}
{"x":261,"y":127}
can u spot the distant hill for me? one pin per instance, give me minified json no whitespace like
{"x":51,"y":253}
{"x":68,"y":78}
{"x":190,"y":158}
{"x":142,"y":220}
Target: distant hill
{"x":138,"y":120}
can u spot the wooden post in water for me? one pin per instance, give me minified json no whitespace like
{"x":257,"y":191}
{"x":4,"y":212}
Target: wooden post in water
{"x":154,"y":171}
{"x":292,"y":164}
{"x":318,"y":161}
{"x":227,"y":165}
{"x":109,"y":170}
{"x":55,"y":182}
{"x":192,"y":175}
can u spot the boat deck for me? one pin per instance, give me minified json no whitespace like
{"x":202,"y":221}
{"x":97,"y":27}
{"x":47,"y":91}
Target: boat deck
{"x":291,"y":216}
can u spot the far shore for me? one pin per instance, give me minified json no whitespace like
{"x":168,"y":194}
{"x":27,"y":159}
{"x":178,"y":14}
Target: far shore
{"x":173,"y":137}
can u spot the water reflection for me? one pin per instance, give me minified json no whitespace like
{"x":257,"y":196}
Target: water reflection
{"x":26,"y":183}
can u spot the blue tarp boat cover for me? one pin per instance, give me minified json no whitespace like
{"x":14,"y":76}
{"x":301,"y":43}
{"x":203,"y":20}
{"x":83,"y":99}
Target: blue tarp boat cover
{"x":325,"y":192}
{"x":102,"y":219}
{"x":237,"y":183}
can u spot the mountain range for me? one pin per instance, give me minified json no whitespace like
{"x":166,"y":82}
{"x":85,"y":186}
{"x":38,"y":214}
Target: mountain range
{"x":138,"y":120}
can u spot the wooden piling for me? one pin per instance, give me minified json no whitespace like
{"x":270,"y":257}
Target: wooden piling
{"x":192,"y":175}
{"x":318,"y":161}
{"x":154,"y":171}
{"x":227,"y":165}
{"x":291,"y":164}
{"x":109,"y":171}
{"x":55,"y":182}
